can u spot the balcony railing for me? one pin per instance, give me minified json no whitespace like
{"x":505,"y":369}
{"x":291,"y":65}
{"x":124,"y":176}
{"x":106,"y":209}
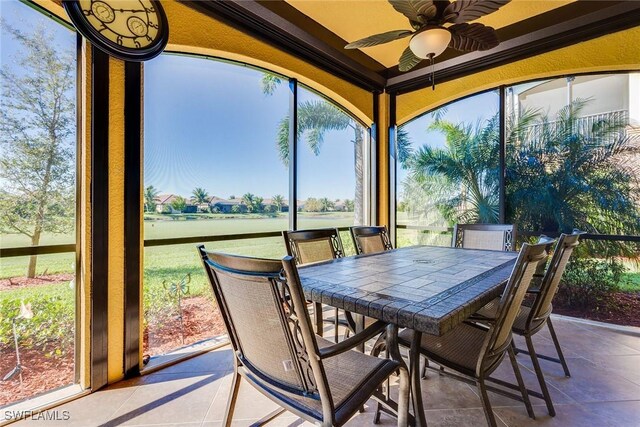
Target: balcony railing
{"x":582,"y":126}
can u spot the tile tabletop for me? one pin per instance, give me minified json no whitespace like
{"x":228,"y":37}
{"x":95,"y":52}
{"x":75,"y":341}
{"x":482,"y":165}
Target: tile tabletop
{"x":427,"y":288}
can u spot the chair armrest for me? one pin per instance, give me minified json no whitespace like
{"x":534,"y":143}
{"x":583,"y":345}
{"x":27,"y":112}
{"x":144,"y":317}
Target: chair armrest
{"x":475,"y":317}
{"x":478,"y":318}
{"x":354,"y":340}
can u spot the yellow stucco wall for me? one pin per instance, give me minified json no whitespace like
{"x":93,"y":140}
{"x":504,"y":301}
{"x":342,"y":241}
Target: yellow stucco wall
{"x":617,"y":51}
{"x":116,"y":221}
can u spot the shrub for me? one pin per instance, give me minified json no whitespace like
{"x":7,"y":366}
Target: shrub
{"x":51,"y":329}
{"x":590,"y":283}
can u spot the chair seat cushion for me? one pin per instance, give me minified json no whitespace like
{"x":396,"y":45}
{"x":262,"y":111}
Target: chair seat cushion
{"x":352,"y":378}
{"x":490,"y":310}
{"x":458,"y":349}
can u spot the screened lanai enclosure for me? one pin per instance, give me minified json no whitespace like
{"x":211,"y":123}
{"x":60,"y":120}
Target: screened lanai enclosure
{"x":294,"y":211}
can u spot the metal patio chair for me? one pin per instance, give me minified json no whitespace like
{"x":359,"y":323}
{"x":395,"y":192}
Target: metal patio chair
{"x":534,"y":315}
{"x":370,"y":239}
{"x":276,"y":351}
{"x":313,"y":246}
{"x":475,"y":351}
{"x":499,"y":237}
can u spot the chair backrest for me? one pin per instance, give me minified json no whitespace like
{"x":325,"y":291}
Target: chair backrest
{"x":551,"y":279}
{"x":499,"y":337}
{"x":311,"y":246}
{"x":370,"y":239}
{"x":263,"y":308}
{"x":499,"y":237}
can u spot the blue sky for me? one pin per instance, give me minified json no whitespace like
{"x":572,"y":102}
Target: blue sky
{"x":208,"y":124}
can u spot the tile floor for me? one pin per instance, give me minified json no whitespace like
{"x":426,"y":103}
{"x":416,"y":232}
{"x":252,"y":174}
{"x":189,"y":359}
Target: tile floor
{"x":604,"y":390}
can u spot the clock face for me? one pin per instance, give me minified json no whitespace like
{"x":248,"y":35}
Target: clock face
{"x":134,"y":30}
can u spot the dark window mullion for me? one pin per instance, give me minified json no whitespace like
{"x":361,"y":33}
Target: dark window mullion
{"x":293,"y":154}
{"x":392,"y":168}
{"x":99,"y":216}
{"x":502,"y":176}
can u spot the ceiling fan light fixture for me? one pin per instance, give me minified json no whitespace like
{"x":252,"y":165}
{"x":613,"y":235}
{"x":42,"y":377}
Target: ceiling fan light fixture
{"x":430,"y":42}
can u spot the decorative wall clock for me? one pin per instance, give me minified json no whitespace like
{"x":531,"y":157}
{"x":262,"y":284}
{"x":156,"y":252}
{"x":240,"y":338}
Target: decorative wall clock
{"x":132,"y":30}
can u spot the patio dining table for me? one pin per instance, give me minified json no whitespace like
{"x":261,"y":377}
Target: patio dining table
{"x":426,"y":288}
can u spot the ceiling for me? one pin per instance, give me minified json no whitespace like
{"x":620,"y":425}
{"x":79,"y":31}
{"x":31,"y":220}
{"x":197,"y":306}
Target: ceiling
{"x":352,"y":20}
{"x":318,"y":30}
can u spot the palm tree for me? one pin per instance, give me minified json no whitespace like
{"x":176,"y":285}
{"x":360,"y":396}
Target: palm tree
{"x":565,"y":177}
{"x":278,"y":202}
{"x":150,"y":194}
{"x":464,"y":173}
{"x":326,"y":205}
{"x":200,"y":196}
{"x":558,"y":178}
{"x":317,"y":117}
{"x":248,"y":199}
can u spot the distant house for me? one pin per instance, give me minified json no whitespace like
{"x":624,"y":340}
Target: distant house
{"x":217,"y":204}
{"x":163,"y":203}
{"x":270,"y":206}
{"x":340,"y":206}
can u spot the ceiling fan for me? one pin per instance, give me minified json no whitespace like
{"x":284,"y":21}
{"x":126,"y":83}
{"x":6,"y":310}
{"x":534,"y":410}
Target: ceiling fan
{"x":430,"y":37}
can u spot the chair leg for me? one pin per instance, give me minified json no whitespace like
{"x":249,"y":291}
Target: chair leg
{"x":541,"y":381}
{"x":486,"y":405}
{"x":317,"y":312}
{"x":233,"y":397}
{"x":513,"y":346}
{"x":554,"y":337}
{"x":376,"y":417}
{"x":403,"y":398}
{"x":336,"y":325}
{"x":423,"y":375}
{"x":523,"y":389}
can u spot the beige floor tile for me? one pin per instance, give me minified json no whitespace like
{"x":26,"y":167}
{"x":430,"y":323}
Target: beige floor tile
{"x":169,"y":398}
{"x":88,"y":411}
{"x":458,"y":417}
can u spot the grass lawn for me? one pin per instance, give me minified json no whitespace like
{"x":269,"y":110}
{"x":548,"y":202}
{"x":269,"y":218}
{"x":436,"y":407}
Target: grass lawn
{"x":178,"y":226}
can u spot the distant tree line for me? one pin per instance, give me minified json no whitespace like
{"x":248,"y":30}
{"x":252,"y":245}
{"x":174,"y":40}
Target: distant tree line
{"x":248,"y":203}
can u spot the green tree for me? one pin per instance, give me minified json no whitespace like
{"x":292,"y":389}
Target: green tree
{"x":312,"y":205}
{"x":326,"y":205}
{"x":278,"y":202}
{"x":269,"y":83}
{"x":37,"y":137}
{"x":179,"y":203}
{"x":150,"y":194}
{"x":349,"y":205}
{"x":200,"y":195}
{"x":253,"y":203}
{"x":564,"y":176}
{"x":469,"y":164}
{"x":248,"y":200}
{"x":560,"y":175}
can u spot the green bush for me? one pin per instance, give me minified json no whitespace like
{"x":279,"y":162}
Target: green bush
{"x":590,"y":283}
{"x":51,"y":329}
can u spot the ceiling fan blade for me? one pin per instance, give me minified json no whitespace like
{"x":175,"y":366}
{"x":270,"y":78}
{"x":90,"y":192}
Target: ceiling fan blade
{"x":462,"y":11}
{"x":408,"y":60}
{"x":418,"y":11}
{"x":469,"y":37}
{"x":379,"y":39}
